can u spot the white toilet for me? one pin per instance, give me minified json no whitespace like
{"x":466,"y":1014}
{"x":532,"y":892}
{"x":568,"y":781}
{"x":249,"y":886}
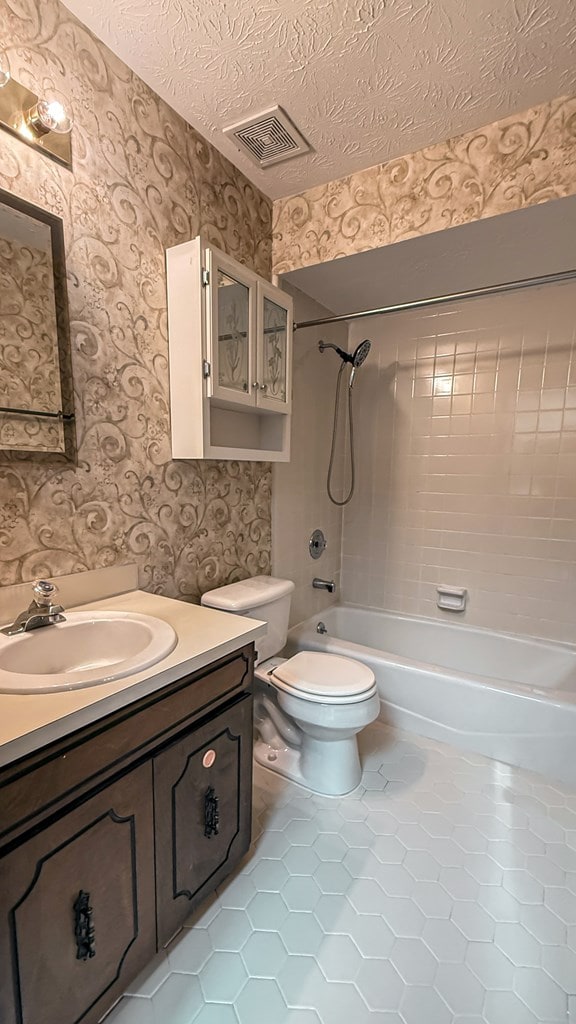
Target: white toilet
{"x":308,"y":708}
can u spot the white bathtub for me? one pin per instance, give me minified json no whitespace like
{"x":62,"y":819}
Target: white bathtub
{"x":509,"y":698}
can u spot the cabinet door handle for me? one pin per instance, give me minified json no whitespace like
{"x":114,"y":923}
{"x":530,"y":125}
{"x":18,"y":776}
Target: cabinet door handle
{"x":211,"y":813}
{"x":263,"y":387}
{"x":84,"y":927}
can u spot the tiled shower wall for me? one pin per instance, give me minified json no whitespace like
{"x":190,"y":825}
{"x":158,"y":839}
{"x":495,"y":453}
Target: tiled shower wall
{"x":466,"y":441}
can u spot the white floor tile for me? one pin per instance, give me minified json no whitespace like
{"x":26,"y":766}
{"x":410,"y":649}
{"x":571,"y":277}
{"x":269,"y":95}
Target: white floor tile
{"x":414,"y":962}
{"x":540,"y":993}
{"x":560,"y":963}
{"x":380,"y":985}
{"x":178,"y":1000}
{"x":519,"y":945}
{"x":339,"y":958}
{"x":223,"y":977}
{"x":153,"y":975}
{"x":190,"y":950}
{"x":260,"y":1002}
{"x":132,"y":1010}
{"x":301,"y":933}
{"x":442,"y":891}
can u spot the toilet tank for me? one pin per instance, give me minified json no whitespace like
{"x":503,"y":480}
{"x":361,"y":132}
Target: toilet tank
{"x":261,"y":597}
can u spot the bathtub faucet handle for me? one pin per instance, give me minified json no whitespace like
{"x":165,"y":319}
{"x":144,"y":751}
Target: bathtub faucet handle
{"x":321,"y":628}
{"x":328,"y":585}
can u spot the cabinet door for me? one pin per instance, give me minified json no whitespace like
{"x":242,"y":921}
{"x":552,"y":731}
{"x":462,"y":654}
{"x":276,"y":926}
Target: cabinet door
{"x":274,"y":349}
{"x":77,"y":916}
{"x":231,"y":330}
{"x":203,"y":800}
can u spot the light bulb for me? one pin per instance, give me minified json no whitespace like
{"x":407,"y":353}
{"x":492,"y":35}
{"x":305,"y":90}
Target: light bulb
{"x":50,"y":114}
{"x":4,"y":70}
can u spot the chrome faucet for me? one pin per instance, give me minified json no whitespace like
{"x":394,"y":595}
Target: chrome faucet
{"x":328,"y":585}
{"x":41,"y":611}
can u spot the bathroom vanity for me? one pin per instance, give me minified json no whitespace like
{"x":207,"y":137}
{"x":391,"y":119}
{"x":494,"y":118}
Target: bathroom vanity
{"x":118,"y":818}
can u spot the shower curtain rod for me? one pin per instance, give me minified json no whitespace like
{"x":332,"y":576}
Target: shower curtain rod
{"x":475,"y":293}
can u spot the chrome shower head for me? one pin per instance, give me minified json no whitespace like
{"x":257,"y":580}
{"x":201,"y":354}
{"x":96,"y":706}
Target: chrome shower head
{"x":356,"y":358}
{"x":361,"y":353}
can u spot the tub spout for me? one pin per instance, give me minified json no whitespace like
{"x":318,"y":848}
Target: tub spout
{"x":328,"y":585}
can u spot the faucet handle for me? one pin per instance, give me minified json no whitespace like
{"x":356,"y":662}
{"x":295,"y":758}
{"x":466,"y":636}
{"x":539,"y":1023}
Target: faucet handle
{"x":44,"y":593}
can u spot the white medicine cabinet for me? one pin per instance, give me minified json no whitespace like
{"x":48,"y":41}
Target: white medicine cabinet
{"x":230,"y":338}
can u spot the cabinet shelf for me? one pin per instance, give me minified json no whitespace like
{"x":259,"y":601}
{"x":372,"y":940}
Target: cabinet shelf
{"x":230,"y":340}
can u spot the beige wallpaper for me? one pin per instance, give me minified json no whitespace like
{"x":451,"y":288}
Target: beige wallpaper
{"x":143,"y":180}
{"x":29,"y":367}
{"x":515,"y":162}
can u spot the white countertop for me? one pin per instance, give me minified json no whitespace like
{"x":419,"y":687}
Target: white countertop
{"x":30,"y":721}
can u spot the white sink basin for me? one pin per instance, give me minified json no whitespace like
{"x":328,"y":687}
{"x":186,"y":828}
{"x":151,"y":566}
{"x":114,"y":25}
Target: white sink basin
{"x":88,"y":649}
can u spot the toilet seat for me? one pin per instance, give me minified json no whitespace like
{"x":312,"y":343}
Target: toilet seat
{"x":324,"y":678}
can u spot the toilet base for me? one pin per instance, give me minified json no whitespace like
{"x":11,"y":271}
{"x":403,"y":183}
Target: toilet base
{"x":284,"y":762}
{"x":330,"y":769}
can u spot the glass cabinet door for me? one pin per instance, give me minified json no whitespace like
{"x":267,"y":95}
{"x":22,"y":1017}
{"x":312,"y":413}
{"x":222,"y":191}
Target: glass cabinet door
{"x":231,"y":330}
{"x":274,"y":354}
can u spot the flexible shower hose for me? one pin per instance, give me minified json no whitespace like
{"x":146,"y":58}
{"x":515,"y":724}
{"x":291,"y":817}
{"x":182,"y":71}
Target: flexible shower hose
{"x":333,"y":448}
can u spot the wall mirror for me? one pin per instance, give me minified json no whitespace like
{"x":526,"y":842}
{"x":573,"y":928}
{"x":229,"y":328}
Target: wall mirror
{"x":36,"y":394}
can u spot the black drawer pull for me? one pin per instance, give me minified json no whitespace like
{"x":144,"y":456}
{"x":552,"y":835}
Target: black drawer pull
{"x":211,"y":813}
{"x":84,"y":927}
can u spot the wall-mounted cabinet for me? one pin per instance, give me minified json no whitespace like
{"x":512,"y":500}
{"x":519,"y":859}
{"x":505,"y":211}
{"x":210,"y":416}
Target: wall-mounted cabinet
{"x":230,"y":336}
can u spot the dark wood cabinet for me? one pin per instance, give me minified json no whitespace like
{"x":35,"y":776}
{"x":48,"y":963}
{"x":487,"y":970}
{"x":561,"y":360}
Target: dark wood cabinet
{"x":110,"y":837}
{"x":202,"y":787}
{"x":77,"y":903}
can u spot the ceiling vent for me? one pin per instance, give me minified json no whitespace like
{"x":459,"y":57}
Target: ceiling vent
{"x":268,"y":138}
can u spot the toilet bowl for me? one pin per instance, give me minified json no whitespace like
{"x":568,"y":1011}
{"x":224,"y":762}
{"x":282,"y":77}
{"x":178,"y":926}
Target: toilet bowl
{"x":308,"y":709}
{"x":313,"y":736}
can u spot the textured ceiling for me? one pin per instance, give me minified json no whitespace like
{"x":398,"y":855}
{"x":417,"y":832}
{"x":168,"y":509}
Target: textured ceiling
{"x":364,"y":80}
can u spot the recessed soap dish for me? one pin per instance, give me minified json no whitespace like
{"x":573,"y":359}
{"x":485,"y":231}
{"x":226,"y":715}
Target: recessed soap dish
{"x":452,"y":599}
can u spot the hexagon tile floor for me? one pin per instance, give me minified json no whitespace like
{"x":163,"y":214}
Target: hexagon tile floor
{"x":442,"y":891}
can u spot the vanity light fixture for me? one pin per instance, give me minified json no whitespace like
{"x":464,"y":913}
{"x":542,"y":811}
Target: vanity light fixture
{"x":49,"y":114}
{"x":41,"y":121}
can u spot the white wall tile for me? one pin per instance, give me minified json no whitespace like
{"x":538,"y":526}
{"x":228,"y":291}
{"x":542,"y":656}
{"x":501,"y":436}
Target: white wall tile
{"x":466,"y":435}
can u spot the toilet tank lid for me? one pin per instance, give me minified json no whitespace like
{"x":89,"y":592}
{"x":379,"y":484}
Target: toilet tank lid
{"x":246,"y":594}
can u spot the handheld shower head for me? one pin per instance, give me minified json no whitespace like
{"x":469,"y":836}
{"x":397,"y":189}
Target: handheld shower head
{"x":356,"y":358}
{"x":361,"y":353}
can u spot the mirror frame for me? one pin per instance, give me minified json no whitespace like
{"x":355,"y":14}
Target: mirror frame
{"x":58,"y":252}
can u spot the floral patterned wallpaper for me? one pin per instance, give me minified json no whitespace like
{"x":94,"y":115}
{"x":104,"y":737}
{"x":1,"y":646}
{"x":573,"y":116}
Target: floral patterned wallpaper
{"x":142,"y":180}
{"x":29,"y":366}
{"x":512,"y":163}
